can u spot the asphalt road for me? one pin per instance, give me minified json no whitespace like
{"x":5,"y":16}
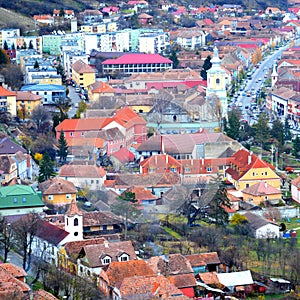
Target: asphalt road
{"x":75,"y":100}
{"x":254,"y":84}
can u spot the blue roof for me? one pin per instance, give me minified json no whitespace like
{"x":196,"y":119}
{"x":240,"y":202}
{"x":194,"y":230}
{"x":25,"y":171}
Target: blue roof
{"x":43,"y":87}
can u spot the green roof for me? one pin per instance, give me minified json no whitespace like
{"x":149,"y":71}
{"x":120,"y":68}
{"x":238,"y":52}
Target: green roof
{"x":17,"y":196}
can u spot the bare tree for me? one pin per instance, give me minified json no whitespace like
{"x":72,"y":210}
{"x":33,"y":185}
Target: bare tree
{"x":41,"y":117}
{"x":6,"y":237}
{"x":24,"y":231}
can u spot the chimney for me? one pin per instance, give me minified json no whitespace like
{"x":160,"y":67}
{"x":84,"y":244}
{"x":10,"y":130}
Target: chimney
{"x":162,"y":148}
{"x":167,"y":158}
{"x":155,"y":159}
{"x":106,"y":244}
{"x":250,"y":157}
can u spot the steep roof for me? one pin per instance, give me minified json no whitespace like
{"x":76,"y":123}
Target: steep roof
{"x":260,"y":189}
{"x":7,"y":146}
{"x":203,"y":259}
{"x":101,"y":87}
{"x":118,"y":271}
{"x":142,"y":194}
{"x":28,"y":96}
{"x":73,"y":210}
{"x":147,"y":287}
{"x":83,"y":124}
{"x":55,"y":186}
{"x":13,"y":270}
{"x":43,"y":295}
{"x":124,"y":155}
{"x":256,"y":221}
{"x":5,"y":92}
{"x":50,"y":233}
{"x":94,"y":253}
{"x":82,"y":171}
{"x":81,"y":67}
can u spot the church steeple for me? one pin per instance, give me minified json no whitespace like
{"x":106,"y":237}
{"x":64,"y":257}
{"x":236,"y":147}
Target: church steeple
{"x":74,"y":221}
{"x":216,"y":61}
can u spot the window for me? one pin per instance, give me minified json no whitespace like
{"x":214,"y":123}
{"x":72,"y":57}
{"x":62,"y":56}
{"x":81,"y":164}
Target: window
{"x":173,"y":169}
{"x":253,"y":174}
{"x":24,"y":200}
{"x":106,"y":260}
{"x":15,"y":200}
{"x":187,"y":169}
{"x":50,"y":197}
{"x":209,"y":169}
{"x":76,"y":222}
{"x":71,"y":133}
{"x":97,"y":181}
{"x":92,"y":181}
{"x":218,"y":81}
{"x":124,"y":257}
{"x":68,"y":196}
{"x":247,"y":185}
{"x":75,"y":233}
{"x":82,"y":133}
{"x":266,"y":173}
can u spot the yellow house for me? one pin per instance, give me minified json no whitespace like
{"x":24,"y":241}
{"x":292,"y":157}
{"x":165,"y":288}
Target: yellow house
{"x":99,"y":89}
{"x":94,"y":28}
{"x":57,"y":191}
{"x":261,"y":193}
{"x":8,"y":101}
{"x":246,"y":169}
{"x":26,"y":103}
{"x":111,"y":27}
{"x":51,"y":79}
{"x":82,"y":74}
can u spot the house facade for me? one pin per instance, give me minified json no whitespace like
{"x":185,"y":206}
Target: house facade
{"x":82,"y":74}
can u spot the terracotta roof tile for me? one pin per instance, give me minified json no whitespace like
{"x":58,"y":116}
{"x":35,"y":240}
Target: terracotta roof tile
{"x":73,"y":248}
{"x":28,"y":96}
{"x":81,"y":67}
{"x":118,"y":271}
{"x":94,"y":253}
{"x":14,"y":270}
{"x":82,"y":171}
{"x":183,"y":280}
{"x":209,"y":278}
{"x":55,"y":186}
{"x":6,"y":93}
{"x":43,"y":295}
{"x":260,"y":189}
{"x":203,"y":259}
{"x":73,"y":210}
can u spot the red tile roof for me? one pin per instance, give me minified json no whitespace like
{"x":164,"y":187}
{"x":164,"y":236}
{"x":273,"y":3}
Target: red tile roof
{"x":142,"y":194}
{"x":73,"y":210}
{"x":124,"y":155}
{"x":14,"y":270}
{"x":161,"y":163}
{"x":43,"y":295}
{"x":118,"y":271}
{"x":6,"y":93}
{"x":203,"y":259}
{"x":83,"y":124}
{"x":55,"y":186}
{"x":138,"y":59}
{"x":82,"y":171}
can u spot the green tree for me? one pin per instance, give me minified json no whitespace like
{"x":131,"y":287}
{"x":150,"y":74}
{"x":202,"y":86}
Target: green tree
{"x":82,"y":107}
{"x":296,"y":146}
{"x":173,"y":57}
{"x":24,"y":46}
{"x":13,"y":47}
{"x":5,"y":46}
{"x":277,"y":133}
{"x":4,"y":58}
{"x":261,"y":130}
{"x":62,"y":12}
{"x":46,"y":168}
{"x":36,"y":65}
{"x":30,"y":45}
{"x":206,"y":66}
{"x":61,"y":71}
{"x":233,"y":124}
{"x":287,"y":130}
{"x":62,"y":147}
{"x":127,"y":207}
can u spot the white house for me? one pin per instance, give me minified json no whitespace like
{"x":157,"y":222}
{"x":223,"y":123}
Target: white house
{"x":295,"y":189}
{"x":262,"y":228}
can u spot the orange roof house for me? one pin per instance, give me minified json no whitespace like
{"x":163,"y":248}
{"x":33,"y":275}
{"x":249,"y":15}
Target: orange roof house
{"x":142,"y":195}
{"x":28,"y":101}
{"x":8,"y":101}
{"x":99,"y":89}
{"x":262,"y":192}
{"x":295,"y":189}
{"x":246,"y":169}
{"x":118,"y":271}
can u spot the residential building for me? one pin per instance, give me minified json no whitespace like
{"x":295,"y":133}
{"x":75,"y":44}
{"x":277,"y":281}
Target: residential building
{"x":246,"y":169}
{"x":179,"y":271}
{"x":84,"y":175}
{"x":50,"y":92}
{"x":82,"y":74}
{"x":51,"y":44}
{"x":20,"y":199}
{"x":41,"y":20}
{"x":8,"y":147}
{"x":70,"y":57}
{"x":58,"y":191}
{"x":262,"y":228}
{"x":27,"y":102}
{"x":99,"y":89}
{"x":8,"y":101}
{"x":43,"y":75}
{"x":118,"y":271}
{"x":262,"y":193}
{"x":94,"y":257}
{"x":295,"y":189}
{"x":23,"y":162}
{"x":67,"y":13}
{"x":145,"y":19}
{"x":8,"y":169}
{"x":136,"y":63}
{"x":154,"y":42}
{"x":204,"y":262}
{"x":7,"y":33}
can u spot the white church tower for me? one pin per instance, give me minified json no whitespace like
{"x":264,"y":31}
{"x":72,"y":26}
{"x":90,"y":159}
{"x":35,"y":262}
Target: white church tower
{"x":74,"y":222}
{"x":216,"y":82}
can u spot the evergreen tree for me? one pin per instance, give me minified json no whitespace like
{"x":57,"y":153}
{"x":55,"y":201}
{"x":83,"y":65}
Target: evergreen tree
{"x":206,"y":66}
{"x":4,"y":58}
{"x":277,"y":132}
{"x":62,"y":12}
{"x":5,"y":46}
{"x":36,"y":65}
{"x":24,"y":46}
{"x":30,"y":45}
{"x":173,"y":57}
{"x":296,"y":146}
{"x":261,"y":130}
{"x":62,"y":147}
{"x":13,"y":46}
{"x":287,"y":131}
{"x":46,"y":168}
{"x":233,"y":124}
